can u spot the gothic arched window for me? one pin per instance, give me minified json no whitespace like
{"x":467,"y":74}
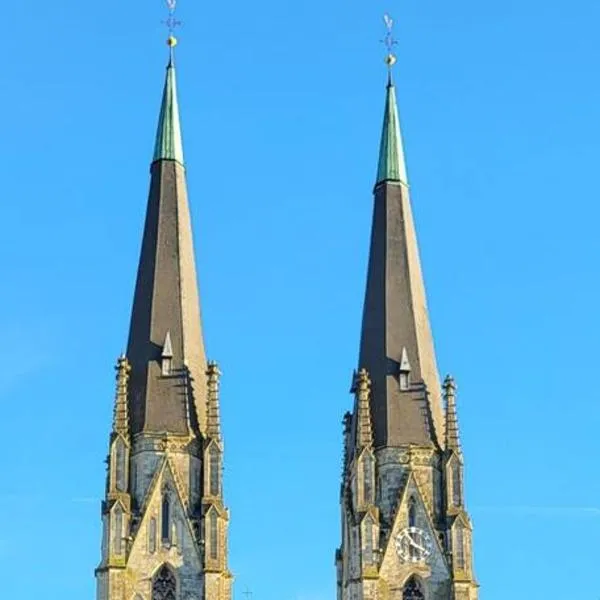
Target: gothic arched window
{"x":164,"y":586}
{"x":412,"y":512}
{"x":412,"y":590}
{"x":165,"y":526}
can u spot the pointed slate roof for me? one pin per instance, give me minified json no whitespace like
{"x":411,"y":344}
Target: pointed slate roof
{"x":166,"y":309}
{"x":395,"y":327}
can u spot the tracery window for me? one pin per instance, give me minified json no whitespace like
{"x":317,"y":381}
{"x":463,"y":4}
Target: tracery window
{"x":164,"y":586}
{"x":412,"y":590}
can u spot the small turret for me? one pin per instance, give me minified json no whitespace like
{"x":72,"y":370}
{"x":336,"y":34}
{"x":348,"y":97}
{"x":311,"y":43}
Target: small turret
{"x":452,"y":440}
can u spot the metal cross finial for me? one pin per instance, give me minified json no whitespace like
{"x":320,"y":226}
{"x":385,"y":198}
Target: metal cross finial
{"x":171,"y":22}
{"x":389,"y":41}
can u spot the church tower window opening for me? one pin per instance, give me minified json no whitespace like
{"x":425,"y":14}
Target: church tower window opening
{"x":412,"y":512}
{"x":164,"y":586}
{"x":165,"y":525}
{"x":412,"y":590}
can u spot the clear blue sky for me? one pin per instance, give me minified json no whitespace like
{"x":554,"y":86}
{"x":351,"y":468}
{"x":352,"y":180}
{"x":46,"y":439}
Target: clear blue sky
{"x":282,"y":105}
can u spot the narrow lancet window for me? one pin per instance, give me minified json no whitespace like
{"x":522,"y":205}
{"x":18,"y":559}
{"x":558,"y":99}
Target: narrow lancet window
{"x":152,"y":535}
{"x":166,"y":519}
{"x":456,"y":484}
{"x":459,"y":551}
{"x":368,"y":544}
{"x":367,"y":479}
{"x":215,"y":468}
{"x":412,"y":512}
{"x":120,"y":466}
{"x":214,"y":535}
{"x":118,"y":531}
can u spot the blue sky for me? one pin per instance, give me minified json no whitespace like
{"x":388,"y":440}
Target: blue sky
{"x":281,"y":105}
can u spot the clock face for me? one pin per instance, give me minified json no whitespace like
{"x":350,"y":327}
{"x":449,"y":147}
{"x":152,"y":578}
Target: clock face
{"x":413,"y":545}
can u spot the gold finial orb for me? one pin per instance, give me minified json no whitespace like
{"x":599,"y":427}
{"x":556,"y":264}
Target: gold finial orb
{"x":172,"y":41}
{"x":390,"y":60}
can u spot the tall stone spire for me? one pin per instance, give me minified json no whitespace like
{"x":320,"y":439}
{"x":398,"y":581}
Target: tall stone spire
{"x":166,"y":303}
{"x":164,"y":515}
{"x":405,"y":529}
{"x":395,"y":329}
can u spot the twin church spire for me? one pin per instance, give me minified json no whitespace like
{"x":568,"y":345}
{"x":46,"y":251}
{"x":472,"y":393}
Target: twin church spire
{"x":405,"y":531}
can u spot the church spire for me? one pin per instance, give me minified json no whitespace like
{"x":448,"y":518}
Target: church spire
{"x":168,"y":396}
{"x":396,"y":345}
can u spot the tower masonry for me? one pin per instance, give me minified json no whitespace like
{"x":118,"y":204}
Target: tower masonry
{"x":163,"y":516}
{"x":406,"y":534}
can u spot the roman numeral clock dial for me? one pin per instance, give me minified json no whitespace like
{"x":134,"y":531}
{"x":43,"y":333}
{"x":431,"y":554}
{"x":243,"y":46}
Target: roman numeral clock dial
{"x":413,"y":545}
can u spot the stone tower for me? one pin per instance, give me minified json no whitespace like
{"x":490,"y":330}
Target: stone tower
{"x":406,"y":534}
{"x":163,"y":517}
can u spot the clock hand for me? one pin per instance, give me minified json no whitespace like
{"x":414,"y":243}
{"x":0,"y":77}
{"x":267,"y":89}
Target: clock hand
{"x":417,"y":546}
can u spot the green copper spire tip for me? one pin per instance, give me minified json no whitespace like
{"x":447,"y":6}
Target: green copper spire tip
{"x":391,"y":155}
{"x":168,"y":145}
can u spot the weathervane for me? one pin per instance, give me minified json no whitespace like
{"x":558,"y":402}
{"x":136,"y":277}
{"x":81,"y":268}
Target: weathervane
{"x":389,"y":41}
{"x":172,"y":23}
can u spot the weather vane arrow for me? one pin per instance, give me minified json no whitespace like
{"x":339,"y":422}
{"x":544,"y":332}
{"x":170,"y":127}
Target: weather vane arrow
{"x":171,"y":22}
{"x":389,"y":41}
